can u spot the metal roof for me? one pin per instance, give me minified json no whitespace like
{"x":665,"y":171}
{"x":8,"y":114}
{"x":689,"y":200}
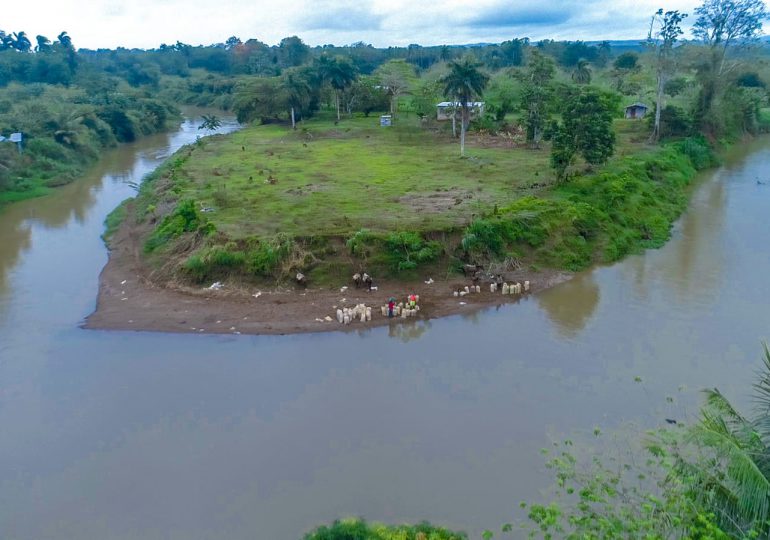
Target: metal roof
{"x":457,"y":104}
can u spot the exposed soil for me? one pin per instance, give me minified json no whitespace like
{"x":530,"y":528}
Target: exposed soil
{"x":129,"y":299}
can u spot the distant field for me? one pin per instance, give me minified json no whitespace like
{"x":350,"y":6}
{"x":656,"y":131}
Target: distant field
{"x":331,"y":179}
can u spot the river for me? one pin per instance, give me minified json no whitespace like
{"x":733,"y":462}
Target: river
{"x":126,"y":435}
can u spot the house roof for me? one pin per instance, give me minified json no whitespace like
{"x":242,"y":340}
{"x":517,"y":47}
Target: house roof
{"x":637,"y":104}
{"x":457,"y":104}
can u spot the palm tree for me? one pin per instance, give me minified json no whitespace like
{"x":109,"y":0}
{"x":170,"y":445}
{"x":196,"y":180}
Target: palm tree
{"x":582,"y":73}
{"x":65,"y":40}
{"x":43,"y":44}
{"x":21,"y":42}
{"x":339,"y":72}
{"x":730,"y":470}
{"x":463,"y":83}
{"x":297,"y":88}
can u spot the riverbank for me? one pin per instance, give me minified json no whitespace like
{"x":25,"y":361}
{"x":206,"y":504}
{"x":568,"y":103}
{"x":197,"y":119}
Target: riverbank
{"x":255,"y":208}
{"x":68,"y":132}
{"x":130,"y":299}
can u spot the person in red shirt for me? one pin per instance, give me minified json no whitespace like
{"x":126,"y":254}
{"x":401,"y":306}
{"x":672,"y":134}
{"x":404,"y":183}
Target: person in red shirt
{"x":391,"y":306}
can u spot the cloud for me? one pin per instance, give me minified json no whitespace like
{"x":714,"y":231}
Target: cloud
{"x":342,"y":16}
{"x":517,"y":17}
{"x":147,"y":23}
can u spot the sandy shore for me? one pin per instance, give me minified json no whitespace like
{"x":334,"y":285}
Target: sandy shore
{"x":129,"y":300}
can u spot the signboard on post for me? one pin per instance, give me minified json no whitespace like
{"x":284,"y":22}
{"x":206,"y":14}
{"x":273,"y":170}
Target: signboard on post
{"x":386,"y":120}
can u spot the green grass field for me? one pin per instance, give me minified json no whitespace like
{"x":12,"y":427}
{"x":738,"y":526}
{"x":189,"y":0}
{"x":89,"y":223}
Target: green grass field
{"x":326,"y":199}
{"x":331,"y":180}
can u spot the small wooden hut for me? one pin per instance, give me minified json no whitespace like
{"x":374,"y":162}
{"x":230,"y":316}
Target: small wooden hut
{"x":637,"y":110}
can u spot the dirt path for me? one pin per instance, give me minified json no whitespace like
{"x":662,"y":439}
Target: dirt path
{"x":128,"y":300}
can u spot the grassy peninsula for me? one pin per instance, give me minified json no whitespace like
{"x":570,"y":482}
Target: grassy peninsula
{"x":333,"y":198}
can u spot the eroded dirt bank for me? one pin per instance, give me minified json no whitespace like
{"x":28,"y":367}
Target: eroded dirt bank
{"x":129,"y":300}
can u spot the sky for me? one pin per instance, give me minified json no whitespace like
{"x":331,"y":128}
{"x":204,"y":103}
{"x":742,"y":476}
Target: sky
{"x":148,"y":23}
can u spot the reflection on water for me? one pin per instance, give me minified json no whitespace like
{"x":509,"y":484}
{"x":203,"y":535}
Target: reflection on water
{"x":153,"y":436}
{"x":571,"y":305}
{"x":408,"y":330}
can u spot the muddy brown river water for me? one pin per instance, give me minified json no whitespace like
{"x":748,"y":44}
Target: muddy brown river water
{"x":126,"y":435}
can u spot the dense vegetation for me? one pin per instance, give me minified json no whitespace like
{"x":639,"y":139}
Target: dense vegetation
{"x":338,"y":192}
{"x":358,"y":529}
{"x":708,"y":480}
{"x":67,"y":110}
{"x":554,"y":177}
{"x":69,"y":103}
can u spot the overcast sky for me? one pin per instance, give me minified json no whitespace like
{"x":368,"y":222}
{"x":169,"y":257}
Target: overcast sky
{"x":148,"y":23}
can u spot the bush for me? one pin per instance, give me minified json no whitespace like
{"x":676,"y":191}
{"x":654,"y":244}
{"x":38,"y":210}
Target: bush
{"x":269,"y":255}
{"x":358,"y":529}
{"x":699,"y":152}
{"x":362,"y":242}
{"x":674,"y":122}
{"x":214,"y":262}
{"x":407,"y":250}
{"x":185,"y":218}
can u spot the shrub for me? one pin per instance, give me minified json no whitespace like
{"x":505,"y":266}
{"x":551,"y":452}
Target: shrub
{"x":407,"y":250}
{"x":214,"y":262}
{"x":699,"y":152}
{"x":358,"y":529}
{"x":185,"y":218}
{"x":267,"y":258}
{"x":674,"y":122}
{"x":362,"y":243}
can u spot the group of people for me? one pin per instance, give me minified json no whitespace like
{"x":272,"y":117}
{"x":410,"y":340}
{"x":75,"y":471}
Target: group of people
{"x":411,"y":302}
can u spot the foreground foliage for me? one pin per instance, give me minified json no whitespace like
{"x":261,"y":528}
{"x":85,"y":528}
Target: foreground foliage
{"x":710,"y":480}
{"x":358,"y":529}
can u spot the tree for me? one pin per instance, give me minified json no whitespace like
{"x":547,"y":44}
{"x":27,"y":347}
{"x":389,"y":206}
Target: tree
{"x":512,"y":51}
{"x":721,"y":24}
{"x":628,"y":61}
{"x":726,"y":459}
{"x":445,"y":53}
{"x":261,"y":99}
{"x":210,"y":123}
{"x":43,"y":44}
{"x":586,"y":129}
{"x":367,"y":95}
{"x":665,"y":29}
{"x":297,"y":90}
{"x":232,"y":42}
{"x":339,"y":72}
{"x":293,"y":51}
{"x":624,"y":65}
{"x":536,"y":95}
{"x":707,"y":481}
{"x":66,"y":40}
{"x":582,"y":73}
{"x":501,"y":95}
{"x":463,"y":83}
{"x":21,"y":42}
{"x":675,"y":86}
{"x":395,"y":76}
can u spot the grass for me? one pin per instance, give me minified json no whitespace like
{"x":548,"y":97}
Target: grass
{"x":268,"y":201}
{"x":114,"y":219}
{"x":333,"y":179}
{"x":330,"y":180}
